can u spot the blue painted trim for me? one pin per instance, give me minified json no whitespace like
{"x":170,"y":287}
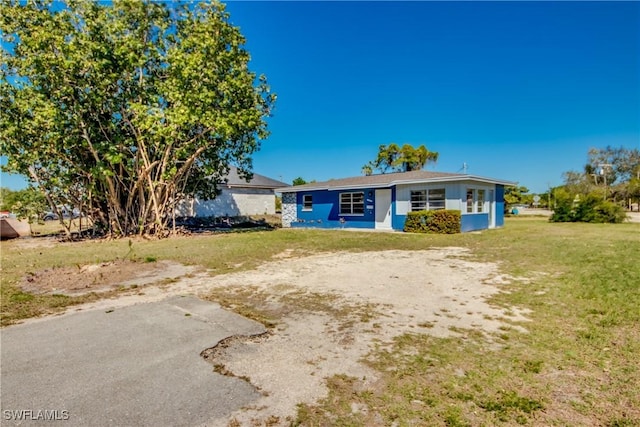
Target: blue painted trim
{"x":499,"y":205}
{"x":472,"y":222}
{"x":325,"y":211}
{"x":333,"y":224}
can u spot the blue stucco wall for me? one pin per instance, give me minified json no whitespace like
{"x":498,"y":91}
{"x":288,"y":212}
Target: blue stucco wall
{"x":326,"y":210}
{"x":499,"y":205}
{"x":471,"y":222}
{"x":397,"y":221}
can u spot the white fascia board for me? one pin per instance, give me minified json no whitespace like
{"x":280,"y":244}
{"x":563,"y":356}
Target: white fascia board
{"x":491,"y":180}
{"x":459,"y":178}
{"x":260,"y":187}
{"x":360,"y":187}
{"x":298,"y":189}
{"x":285,"y":190}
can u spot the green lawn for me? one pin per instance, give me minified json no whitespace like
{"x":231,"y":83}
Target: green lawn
{"x":578,"y":365}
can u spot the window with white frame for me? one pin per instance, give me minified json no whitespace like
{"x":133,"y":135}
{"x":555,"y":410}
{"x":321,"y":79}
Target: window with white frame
{"x":475,"y":200}
{"x":307,"y":202}
{"x":419,"y":200}
{"x":352,"y":203}
{"x":436,"y":199}
{"x":480,"y":201}
{"x":470,"y":194}
{"x":432,"y":199}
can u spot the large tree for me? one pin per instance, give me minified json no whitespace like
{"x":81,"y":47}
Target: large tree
{"x":125,"y":109}
{"x":393,"y":158}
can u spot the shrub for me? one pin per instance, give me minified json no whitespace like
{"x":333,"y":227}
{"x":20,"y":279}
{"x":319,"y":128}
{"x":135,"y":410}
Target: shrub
{"x":590,"y":208}
{"x":440,"y":222}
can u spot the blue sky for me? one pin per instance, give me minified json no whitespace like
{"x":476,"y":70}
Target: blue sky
{"x":517,"y":90}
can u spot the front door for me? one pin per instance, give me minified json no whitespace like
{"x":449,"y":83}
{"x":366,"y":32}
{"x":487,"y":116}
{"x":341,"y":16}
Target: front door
{"x":383,"y":209}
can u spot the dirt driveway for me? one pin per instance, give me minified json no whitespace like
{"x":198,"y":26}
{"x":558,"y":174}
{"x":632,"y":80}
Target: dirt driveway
{"x":328,"y":311}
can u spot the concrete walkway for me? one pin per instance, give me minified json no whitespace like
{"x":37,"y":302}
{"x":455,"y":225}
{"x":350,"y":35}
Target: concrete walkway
{"x":133,"y":366}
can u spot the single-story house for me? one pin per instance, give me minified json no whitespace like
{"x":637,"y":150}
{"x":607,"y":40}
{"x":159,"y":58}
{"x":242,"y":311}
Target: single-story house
{"x":383,"y":201}
{"x":237,"y":198}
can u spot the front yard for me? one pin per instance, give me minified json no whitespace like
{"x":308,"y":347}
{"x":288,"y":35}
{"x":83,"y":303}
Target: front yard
{"x":536,"y":323}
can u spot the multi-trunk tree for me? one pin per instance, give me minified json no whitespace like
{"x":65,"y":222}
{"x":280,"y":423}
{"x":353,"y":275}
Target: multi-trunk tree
{"x":124,"y":109}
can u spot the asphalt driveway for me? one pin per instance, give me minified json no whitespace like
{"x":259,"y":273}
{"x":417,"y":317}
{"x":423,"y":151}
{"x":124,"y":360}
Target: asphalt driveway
{"x":133,"y":366}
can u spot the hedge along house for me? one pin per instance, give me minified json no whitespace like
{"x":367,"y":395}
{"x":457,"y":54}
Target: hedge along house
{"x":383,"y":201}
{"x":238,"y":197}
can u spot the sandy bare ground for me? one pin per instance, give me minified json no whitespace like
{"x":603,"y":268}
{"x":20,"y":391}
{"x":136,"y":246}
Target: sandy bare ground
{"x":331,"y":310}
{"x":432,"y":292}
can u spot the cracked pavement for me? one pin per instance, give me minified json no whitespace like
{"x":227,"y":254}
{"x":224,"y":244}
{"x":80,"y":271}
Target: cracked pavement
{"x":136,"y":365}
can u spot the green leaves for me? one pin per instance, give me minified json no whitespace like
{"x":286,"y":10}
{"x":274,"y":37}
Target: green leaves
{"x":443,"y":221}
{"x":394,"y":158}
{"x":134,"y":105}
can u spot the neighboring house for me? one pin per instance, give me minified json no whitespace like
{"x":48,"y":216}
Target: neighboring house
{"x":382,"y":201}
{"x":237,"y":197}
{"x":11,"y":228}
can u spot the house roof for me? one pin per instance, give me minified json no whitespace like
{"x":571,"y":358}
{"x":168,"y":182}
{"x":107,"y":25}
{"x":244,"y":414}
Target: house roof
{"x":390,"y":179}
{"x":233,"y":180}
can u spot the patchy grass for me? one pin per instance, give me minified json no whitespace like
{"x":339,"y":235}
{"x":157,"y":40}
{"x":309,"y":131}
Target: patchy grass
{"x":576,"y":366}
{"x":220,"y":253}
{"x":268,"y":307}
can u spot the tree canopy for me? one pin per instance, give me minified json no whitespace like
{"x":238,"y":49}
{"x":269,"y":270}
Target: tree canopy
{"x":612,"y":171}
{"x":28,"y":203}
{"x":123,"y":110}
{"x":393,"y":158}
{"x":609,"y":180}
{"x":299,"y":181}
{"x":514,"y":195}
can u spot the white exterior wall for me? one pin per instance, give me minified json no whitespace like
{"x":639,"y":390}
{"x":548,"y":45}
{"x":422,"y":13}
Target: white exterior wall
{"x":487,"y":204}
{"x":403,"y":195}
{"x":232,"y":202}
{"x":455,"y":193}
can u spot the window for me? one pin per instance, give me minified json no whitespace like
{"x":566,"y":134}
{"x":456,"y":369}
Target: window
{"x":427,"y":200}
{"x":307,"y":202}
{"x":418,"y":200}
{"x":476,"y":200}
{"x":470,"y":200}
{"x":480,"y":201}
{"x":352,"y":204}
{"x":436,"y":199}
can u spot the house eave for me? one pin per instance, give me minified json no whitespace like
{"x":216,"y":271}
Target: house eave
{"x":259,"y":187}
{"x":459,"y":178}
{"x":455,"y":178}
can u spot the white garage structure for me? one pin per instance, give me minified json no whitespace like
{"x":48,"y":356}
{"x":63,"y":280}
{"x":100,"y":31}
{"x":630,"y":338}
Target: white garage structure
{"x":237,"y":198}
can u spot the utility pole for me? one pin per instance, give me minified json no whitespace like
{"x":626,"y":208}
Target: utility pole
{"x":604,"y":176}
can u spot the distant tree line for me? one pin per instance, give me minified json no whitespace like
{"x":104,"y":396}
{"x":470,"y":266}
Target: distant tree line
{"x":28,"y":203}
{"x":608,"y":183}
